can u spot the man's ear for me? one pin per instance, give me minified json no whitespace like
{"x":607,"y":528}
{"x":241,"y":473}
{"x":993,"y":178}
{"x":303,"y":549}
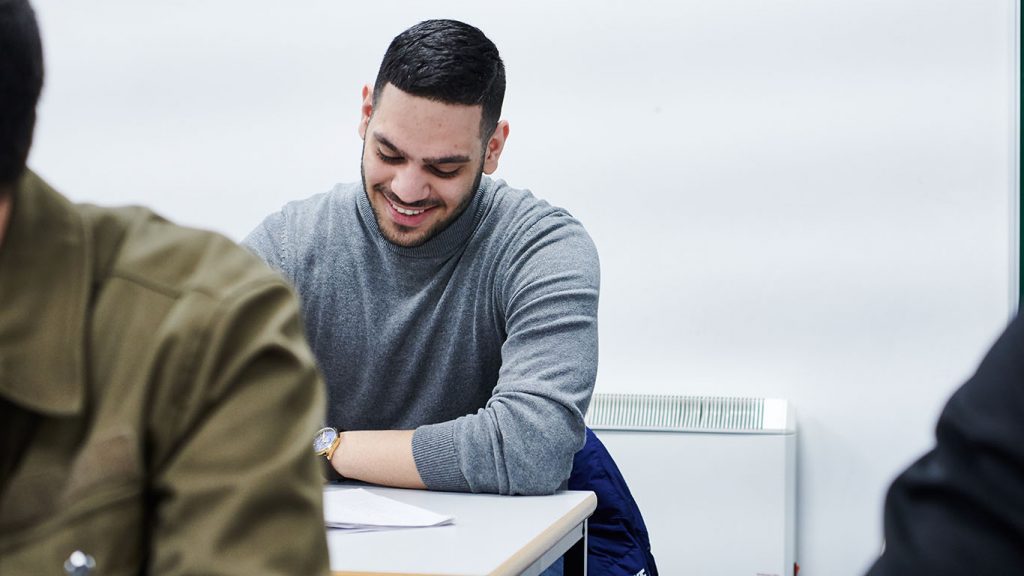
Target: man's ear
{"x":495,"y":144}
{"x":366,"y":110}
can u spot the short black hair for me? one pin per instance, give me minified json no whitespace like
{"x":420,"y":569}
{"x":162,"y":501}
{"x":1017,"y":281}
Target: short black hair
{"x":21,"y":81}
{"x":446,"y":61}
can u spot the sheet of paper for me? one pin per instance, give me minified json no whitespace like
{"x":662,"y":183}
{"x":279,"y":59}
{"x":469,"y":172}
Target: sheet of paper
{"x":359,"y":510}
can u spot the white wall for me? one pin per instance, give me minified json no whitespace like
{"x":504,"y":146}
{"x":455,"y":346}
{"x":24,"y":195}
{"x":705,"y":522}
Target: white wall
{"x":805,"y":199}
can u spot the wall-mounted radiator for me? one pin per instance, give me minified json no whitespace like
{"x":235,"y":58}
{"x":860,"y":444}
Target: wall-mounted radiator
{"x":715,"y":479}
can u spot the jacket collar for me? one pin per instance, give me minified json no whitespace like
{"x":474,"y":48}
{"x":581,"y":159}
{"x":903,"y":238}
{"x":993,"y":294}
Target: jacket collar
{"x":45,"y":274}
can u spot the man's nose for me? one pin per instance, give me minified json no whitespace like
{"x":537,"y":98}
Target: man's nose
{"x":410,"y":185}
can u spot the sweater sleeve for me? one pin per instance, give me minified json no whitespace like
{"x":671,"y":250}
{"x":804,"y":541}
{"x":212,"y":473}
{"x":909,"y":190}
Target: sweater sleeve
{"x":960,"y":508}
{"x":524,"y":439}
{"x":268,"y":241}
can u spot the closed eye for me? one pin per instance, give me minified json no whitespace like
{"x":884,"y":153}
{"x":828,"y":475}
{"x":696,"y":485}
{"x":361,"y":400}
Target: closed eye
{"x":389,"y":159}
{"x":437,"y":171}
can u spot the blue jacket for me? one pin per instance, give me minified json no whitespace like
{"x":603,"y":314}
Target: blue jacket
{"x":617,"y":539}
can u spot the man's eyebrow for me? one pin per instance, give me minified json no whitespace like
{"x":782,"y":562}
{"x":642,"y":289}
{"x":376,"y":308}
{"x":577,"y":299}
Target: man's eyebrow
{"x":380,"y":138}
{"x":453,"y":159}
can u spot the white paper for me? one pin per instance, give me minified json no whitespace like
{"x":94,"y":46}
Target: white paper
{"x":359,"y":510}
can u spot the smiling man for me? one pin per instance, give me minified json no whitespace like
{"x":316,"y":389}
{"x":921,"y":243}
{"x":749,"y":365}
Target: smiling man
{"x":453,"y":316}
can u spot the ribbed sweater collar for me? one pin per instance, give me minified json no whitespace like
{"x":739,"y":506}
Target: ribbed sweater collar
{"x":449,"y":240}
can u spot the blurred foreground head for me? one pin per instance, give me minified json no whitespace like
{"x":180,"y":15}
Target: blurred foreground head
{"x":21,"y":80}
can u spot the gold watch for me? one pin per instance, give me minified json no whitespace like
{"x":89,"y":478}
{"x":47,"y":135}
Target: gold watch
{"x":326,"y":442}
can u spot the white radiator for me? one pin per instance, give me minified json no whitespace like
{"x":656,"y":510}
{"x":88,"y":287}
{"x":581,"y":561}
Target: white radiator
{"x":715,"y":479}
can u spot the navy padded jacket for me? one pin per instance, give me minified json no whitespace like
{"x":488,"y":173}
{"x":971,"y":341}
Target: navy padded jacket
{"x":617,"y":540}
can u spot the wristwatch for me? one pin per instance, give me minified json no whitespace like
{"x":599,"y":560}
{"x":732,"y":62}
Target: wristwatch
{"x":326,"y":442}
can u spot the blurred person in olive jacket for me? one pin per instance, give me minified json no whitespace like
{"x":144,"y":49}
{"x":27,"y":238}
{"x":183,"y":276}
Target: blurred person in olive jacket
{"x":156,"y":394}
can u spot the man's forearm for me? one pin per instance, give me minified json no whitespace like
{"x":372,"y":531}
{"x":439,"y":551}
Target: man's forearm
{"x":379,"y":457}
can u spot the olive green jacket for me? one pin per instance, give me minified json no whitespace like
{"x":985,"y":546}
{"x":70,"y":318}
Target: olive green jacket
{"x":157,"y":399}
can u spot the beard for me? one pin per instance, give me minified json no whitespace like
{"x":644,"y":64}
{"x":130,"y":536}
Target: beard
{"x":403,"y":235}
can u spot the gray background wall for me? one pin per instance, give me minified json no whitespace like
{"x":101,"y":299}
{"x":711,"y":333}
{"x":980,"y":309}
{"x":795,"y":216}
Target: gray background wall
{"x":807,"y":199}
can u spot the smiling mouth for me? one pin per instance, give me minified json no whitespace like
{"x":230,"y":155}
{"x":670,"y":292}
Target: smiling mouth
{"x":406,"y":211}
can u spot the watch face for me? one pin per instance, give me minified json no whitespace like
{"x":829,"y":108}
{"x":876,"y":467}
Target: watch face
{"x":323,"y":440}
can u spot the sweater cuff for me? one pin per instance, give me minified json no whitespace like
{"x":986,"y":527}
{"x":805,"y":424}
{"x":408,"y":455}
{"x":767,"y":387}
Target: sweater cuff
{"x":433,"y":449}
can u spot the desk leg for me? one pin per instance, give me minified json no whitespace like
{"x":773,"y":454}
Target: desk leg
{"x":576,"y":557}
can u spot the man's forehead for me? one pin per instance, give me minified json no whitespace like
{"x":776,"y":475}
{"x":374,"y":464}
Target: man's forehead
{"x":420,"y":126}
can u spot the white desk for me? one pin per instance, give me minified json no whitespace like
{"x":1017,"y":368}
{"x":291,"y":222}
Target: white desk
{"x":492,"y":535}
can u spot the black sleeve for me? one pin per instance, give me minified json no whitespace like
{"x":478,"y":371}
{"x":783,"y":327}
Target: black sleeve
{"x":960,"y":508}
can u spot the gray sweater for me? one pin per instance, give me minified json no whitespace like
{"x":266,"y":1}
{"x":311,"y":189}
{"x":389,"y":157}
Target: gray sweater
{"x":483,"y":339}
